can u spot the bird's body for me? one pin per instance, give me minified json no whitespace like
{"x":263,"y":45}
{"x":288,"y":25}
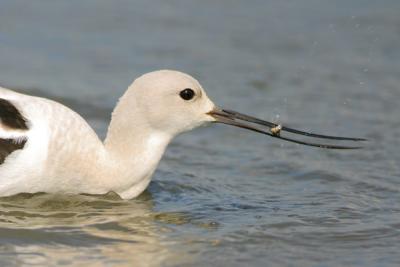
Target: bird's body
{"x":61,"y":154}
{"x":47,"y":147}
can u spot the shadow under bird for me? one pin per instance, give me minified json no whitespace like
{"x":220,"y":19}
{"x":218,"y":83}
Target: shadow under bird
{"x":47,"y":147}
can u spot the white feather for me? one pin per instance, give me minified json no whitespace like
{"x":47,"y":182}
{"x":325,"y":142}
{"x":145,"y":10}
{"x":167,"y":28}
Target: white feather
{"x":63,"y":153}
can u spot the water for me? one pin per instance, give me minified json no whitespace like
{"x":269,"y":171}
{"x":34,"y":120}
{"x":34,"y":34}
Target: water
{"x":220,"y":197}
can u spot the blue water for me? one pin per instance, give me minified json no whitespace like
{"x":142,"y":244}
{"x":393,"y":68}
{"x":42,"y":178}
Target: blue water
{"x":221,"y":196}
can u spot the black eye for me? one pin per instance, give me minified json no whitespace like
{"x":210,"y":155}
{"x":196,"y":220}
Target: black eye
{"x":187,"y":94}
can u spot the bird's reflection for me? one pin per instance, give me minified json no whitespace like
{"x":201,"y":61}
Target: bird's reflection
{"x":62,"y":229}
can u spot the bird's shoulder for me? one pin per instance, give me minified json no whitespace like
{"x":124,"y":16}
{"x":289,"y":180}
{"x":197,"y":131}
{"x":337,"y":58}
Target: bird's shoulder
{"x":26,"y":119}
{"x":26,"y":112}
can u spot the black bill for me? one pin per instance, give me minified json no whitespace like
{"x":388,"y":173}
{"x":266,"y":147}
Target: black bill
{"x":276,"y":130}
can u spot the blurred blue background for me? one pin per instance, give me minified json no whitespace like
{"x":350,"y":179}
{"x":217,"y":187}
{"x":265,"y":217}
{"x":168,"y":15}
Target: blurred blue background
{"x":221,"y":196}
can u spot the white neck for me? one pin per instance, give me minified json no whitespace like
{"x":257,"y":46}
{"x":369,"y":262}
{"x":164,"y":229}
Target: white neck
{"x":133,"y":150}
{"x":133,"y":162}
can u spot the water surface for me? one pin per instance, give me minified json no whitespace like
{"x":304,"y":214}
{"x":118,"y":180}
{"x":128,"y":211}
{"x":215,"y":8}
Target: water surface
{"x":220,"y":196}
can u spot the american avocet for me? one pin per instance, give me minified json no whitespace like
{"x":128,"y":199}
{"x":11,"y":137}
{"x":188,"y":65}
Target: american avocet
{"x":47,"y":147}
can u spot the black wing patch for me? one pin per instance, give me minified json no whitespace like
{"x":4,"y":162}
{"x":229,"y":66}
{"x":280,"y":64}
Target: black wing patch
{"x":8,"y":146}
{"x":11,"y":117}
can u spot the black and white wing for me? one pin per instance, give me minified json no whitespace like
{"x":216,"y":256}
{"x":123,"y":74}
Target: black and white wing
{"x":12,"y":127}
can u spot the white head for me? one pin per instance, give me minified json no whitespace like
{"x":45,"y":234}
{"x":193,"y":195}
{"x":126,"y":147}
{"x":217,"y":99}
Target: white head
{"x":162,"y":102}
{"x":170,"y":102}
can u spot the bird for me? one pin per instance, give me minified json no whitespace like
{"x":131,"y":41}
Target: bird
{"x":47,"y":147}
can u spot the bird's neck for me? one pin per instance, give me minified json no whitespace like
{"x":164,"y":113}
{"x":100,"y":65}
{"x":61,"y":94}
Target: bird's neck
{"x":133,"y":152}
